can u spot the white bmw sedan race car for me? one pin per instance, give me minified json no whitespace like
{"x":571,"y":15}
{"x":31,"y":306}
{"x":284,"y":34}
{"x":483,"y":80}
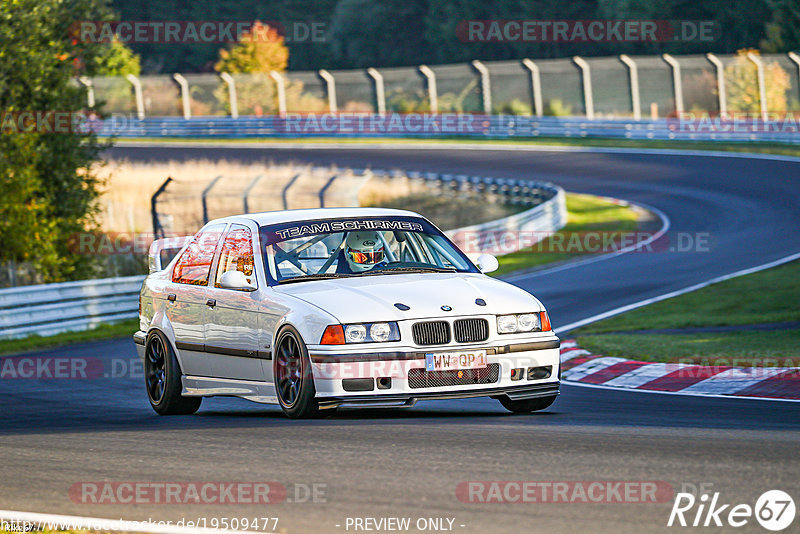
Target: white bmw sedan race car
{"x":320,"y":308}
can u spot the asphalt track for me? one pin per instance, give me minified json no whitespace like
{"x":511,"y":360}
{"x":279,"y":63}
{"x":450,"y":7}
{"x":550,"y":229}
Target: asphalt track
{"x":56,"y":433}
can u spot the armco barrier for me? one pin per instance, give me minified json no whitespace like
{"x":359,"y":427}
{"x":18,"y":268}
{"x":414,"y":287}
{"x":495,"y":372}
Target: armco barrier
{"x":503,"y":235}
{"x":53,"y":308}
{"x":481,"y":126}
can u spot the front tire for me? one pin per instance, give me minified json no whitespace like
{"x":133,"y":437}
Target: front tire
{"x":527,"y":405}
{"x":294,"y":381}
{"x":162,"y":379}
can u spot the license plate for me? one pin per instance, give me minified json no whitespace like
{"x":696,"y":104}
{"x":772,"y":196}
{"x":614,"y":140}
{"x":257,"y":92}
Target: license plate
{"x":451,"y":361}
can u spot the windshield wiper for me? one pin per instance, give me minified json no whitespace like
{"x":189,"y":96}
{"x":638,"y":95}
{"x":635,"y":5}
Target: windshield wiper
{"x":317,"y":276}
{"x":430,"y":269}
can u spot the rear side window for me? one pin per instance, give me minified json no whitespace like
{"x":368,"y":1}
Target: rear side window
{"x":237,"y":254}
{"x":194,"y":265}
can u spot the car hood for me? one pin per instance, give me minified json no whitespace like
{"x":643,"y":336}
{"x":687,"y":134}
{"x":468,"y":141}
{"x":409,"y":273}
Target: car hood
{"x":373,"y":298}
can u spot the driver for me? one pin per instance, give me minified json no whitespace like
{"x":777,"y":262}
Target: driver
{"x":362,"y":251}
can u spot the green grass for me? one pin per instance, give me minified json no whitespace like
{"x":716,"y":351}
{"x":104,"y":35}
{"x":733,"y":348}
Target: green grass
{"x":749,"y":147}
{"x":769,"y":296}
{"x":778,"y":348}
{"x":105,"y":331}
{"x":586,"y":213}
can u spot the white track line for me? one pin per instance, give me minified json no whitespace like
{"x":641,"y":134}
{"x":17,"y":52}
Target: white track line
{"x":665,"y":296}
{"x":665,"y":226}
{"x":61,"y":522}
{"x":657,"y":392}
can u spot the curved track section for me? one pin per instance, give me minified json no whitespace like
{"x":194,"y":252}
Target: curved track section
{"x":54,"y":434}
{"x":746,"y":207}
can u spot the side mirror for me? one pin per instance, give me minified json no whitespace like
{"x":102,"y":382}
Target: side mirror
{"x":236,"y":280}
{"x":487,"y":263}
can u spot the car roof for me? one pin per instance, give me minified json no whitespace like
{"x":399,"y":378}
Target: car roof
{"x":276,"y":217}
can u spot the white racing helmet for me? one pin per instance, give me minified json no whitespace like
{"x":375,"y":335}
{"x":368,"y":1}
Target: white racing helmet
{"x":363,"y":250}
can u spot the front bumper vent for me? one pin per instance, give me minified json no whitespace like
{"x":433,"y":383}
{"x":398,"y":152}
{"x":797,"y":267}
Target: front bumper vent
{"x":420,"y":378}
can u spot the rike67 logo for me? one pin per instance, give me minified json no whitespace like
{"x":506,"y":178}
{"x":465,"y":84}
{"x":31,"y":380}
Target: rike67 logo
{"x":774,"y":510}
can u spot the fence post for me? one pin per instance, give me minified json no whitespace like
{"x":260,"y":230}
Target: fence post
{"x":280,"y":82}
{"x":588,"y":97}
{"x":636,"y":102}
{"x":208,"y":189}
{"x":720,"y":68}
{"x":330,"y":85}
{"x":796,"y":58}
{"x":762,"y":84}
{"x":380,"y":93}
{"x":228,"y":79}
{"x":536,"y":86}
{"x":433,"y":93}
{"x":187,"y":109}
{"x":285,"y":192}
{"x":325,"y":188}
{"x":137,"y":90}
{"x":486,"y":88}
{"x":157,"y":228}
{"x":247,"y":190}
{"x":87,"y":82}
{"x":677,"y":83}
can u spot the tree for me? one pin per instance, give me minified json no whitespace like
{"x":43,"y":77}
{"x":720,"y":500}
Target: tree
{"x":259,"y":50}
{"x":118,"y":60}
{"x":783,"y":31}
{"x":741,"y":81}
{"x":49,"y":188}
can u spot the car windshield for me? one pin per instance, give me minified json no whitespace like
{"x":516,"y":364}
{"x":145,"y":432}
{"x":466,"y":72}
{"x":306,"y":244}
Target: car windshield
{"x":364,"y":246}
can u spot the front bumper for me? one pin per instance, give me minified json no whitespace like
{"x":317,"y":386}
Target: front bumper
{"x":524,"y":392}
{"x":523,"y":369}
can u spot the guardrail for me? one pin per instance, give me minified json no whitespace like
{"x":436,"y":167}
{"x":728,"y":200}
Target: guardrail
{"x":54,"y":308}
{"x":510,"y":234}
{"x":784,"y":130}
{"x":548,"y":214}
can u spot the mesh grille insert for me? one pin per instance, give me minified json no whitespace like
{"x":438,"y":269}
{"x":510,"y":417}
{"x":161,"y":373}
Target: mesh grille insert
{"x":431,"y":333}
{"x":420,"y":378}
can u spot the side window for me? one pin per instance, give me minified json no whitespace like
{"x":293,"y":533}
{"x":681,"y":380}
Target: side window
{"x":237,"y":254}
{"x":194,"y":265}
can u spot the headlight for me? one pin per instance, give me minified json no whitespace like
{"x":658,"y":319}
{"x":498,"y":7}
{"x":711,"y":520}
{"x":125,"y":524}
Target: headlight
{"x":380,"y":332}
{"x":337,"y":334}
{"x":355,"y":333}
{"x":506,"y":324}
{"x":528,"y":322}
{"x":523,"y":322}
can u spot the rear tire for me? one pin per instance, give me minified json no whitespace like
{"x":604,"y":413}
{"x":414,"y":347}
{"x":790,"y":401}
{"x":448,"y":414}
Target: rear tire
{"x":527,"y":405}
{"x":294,"y":380}
{"x":162,"y":379}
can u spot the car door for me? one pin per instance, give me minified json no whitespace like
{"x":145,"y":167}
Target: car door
{"x":233,"y":339}
{"x":186,"y":300}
